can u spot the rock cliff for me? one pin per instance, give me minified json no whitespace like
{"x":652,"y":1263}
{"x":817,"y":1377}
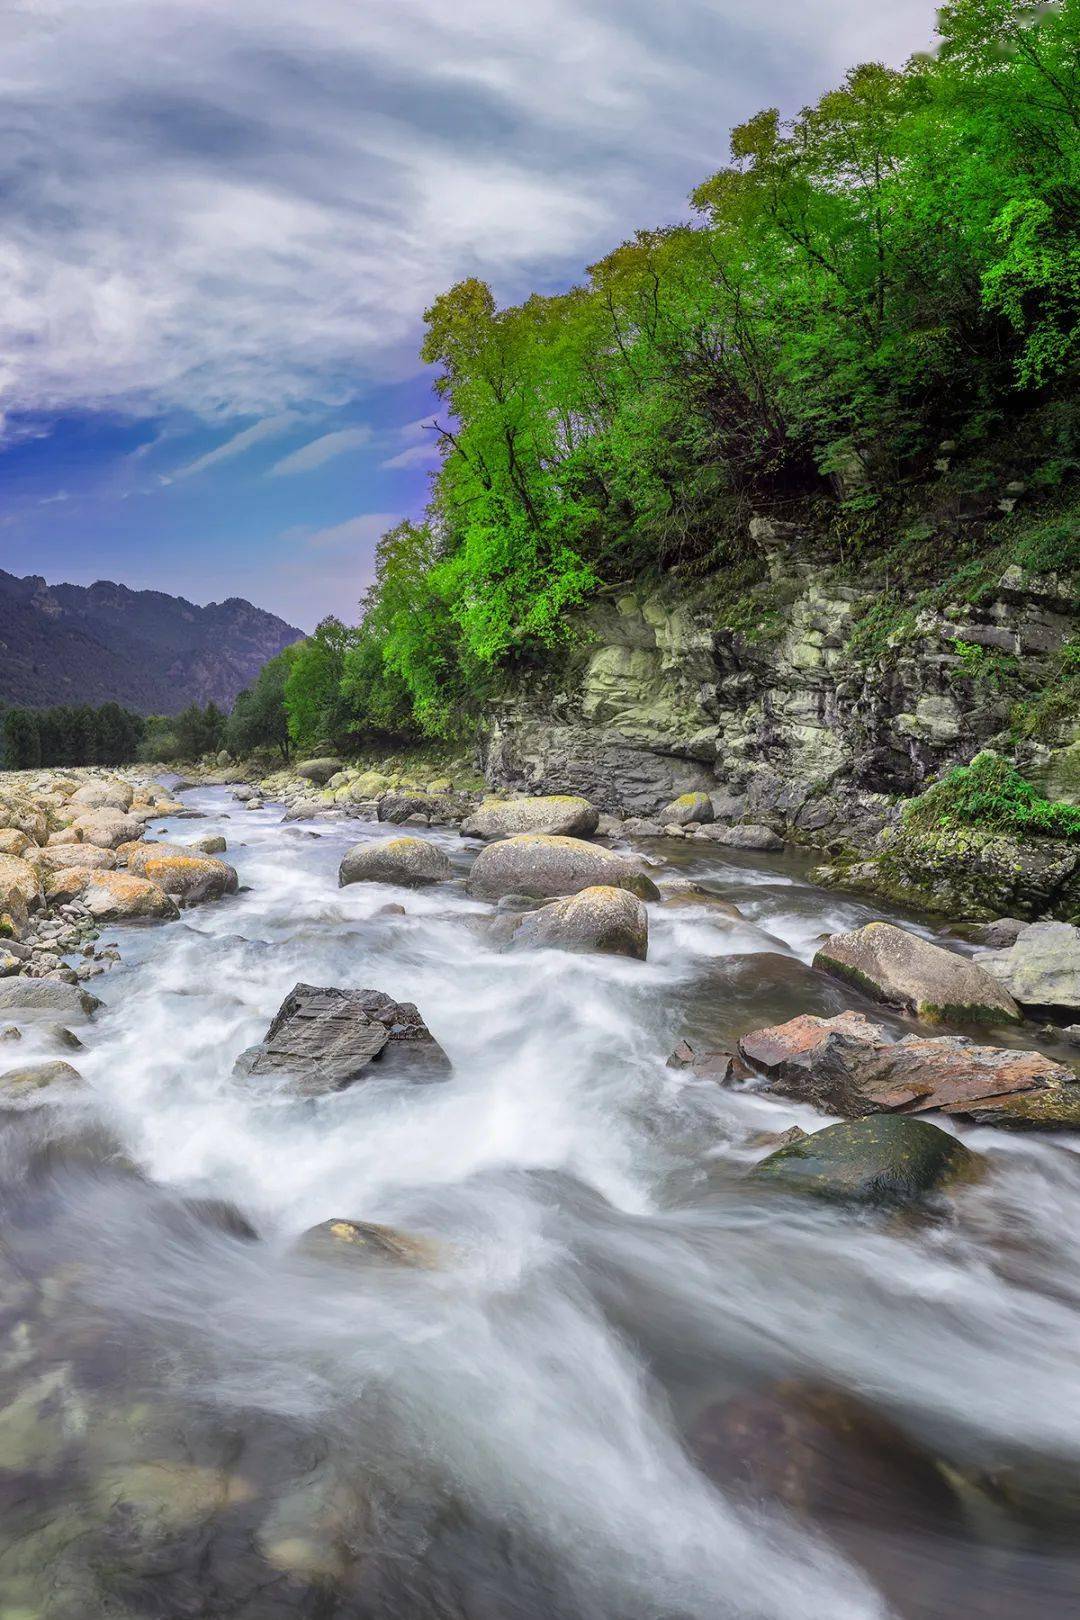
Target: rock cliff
{"x":794,"y":719}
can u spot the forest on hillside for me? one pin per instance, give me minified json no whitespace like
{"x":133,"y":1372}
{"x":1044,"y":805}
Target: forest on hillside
{"x":870,"y":323}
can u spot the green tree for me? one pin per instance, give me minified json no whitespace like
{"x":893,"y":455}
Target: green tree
{"x":22,"y":740}
{"x":259,"y":720}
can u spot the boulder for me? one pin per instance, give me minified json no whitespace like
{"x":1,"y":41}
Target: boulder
{"x":108,"y":829}
{"x":703,"y":1064}
{"x":47,"y":995}
{"x":851,"y":1066}
{"x":14,"y":842}
{"x":891,"y":965}
{"x":997,"y":935}
{"x":547,"y":867}
{"x":1041,"y":969}
{"x":111,"y":795}
{"x":641,"y":827}
{"x":744,"y":836}
{"x":319,"y":770}
{"x":209,"y":844}
{"x":23,"y":1085}
{"x":408,"y":862}
{"x":363,"y":1241}
{"x":111,"y":896}
{"x":687,"y":808}
{"x":886,"y":1159}
{"x":177,"y":871}
{"x":18,"y":877}
{"x":326,"y":1039}
{"x":56,"y":858}
{"x":21,"y":813}
{"x":416,"y":805}
{"x":829,"y":1459}
{"x":602,"y":918}
{"x":561,"y":814}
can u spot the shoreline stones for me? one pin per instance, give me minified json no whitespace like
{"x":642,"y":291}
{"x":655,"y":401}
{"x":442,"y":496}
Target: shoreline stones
{"x":889,"y":964}
{"x":326,"y":1038}
{"x":547,"y":867}
{"x":1040,"y":968}
{"x":24,"y":995}
{"x":851,"y":1066}
{"x":178,"y":870}
{"x":112,"y":896}
{"x":408,"y":862}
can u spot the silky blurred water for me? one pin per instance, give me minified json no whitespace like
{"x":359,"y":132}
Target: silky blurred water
{"x":197,"y":1423}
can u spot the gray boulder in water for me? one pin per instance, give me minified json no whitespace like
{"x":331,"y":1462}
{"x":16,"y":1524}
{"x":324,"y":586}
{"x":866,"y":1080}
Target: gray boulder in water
{"x":560,"y":814}
{"x":602,"y":918}
{"x":1041,"y":968}
{"x":409,"y":862}
{"x":327,"y":1039}
{"x":24,"y":995}
{"x":548,"y":867}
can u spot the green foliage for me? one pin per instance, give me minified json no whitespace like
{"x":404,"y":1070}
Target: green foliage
{"x":259,"y":720}
{"x":892,"y":272}
{"x":991,"y":795}
{"x":188,"y":735}
{"x":109,"y":735}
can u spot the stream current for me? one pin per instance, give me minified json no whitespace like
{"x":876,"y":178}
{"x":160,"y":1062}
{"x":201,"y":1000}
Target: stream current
{"x":198,"y":1422}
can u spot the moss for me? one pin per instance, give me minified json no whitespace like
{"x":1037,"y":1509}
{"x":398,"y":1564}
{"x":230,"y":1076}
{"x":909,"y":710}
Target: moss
{"x":991,"y":795}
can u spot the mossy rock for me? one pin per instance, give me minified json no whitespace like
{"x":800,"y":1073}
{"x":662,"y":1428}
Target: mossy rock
{"x":885,"y":1159}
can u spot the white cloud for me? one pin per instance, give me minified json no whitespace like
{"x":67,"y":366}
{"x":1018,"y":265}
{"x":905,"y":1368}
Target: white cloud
{"x":235,"y":210}
{"x":270,"y":428}
{"x":419,"y":445}
{"x":363,"y":530}
{"x":319,"y":451}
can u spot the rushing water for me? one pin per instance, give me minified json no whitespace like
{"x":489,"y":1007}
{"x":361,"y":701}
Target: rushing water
{"x":193,"y":1423}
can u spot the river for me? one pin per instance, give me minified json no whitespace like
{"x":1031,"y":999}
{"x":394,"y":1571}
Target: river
{"x":196,"y":1423}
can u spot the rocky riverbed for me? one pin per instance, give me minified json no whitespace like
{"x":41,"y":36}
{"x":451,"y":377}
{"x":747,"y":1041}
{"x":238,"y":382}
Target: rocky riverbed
{"x":487,"y":1208}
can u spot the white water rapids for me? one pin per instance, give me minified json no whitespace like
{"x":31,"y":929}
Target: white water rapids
{"x":500,"y":1436}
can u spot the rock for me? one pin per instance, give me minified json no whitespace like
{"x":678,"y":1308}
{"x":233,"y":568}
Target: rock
{"x":67,"y":835}
{"x":548,"y":867}
{"x":111,"y":795}
{"x":326,"y":1039}
{"x":745,"y":836}
{"x":416,"y":807}
{"x":601,"y":918}
{"x":10,"y":1032}
{"x":891,"y":965}
{"x":681,"y":892}
{"x":832,"y":1461}
{"x":851,"y":1066}
{"x":886,"y":1159}
{"x":1003,"y":931}
{"x":703,"y":1065}
{"x":22,"y":1085}
{"x":319,"y":770}
{"x":55,"y":860}
{"x":111,"y":896}
{"x":688,"y":807}
{"x":108,"y":829}
{"x":243,"y":792}
{"x":61,"y":1036}
{"x":41,"y":995}
{"x":641,"y":827}
{"x":14,"y":842}
{"x":363,"y":1241}
{"x":1041,"y":969}
{"x":408,"y":862}
{"x":391,"y":910}
{"x":19,"y":812}
{"x":20,"y":878}
{"x":209,"y":844}
{"x":175,"y":870}
{"x":777,"y":1139}
{"x":564,"y":815}
{"x":971,"y":872}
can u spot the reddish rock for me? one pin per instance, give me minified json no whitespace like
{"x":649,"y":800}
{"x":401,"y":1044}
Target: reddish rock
{"x":850,"y":1066}
{"x":718,"y":1066}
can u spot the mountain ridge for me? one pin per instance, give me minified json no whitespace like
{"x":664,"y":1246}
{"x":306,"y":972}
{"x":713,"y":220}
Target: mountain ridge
{"x":151,"y":651}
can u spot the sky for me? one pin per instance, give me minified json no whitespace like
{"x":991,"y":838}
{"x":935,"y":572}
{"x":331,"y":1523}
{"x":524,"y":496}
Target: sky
{"x":222,"y":221}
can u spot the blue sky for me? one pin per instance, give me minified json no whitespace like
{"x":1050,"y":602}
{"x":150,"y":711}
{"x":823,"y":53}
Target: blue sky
{"x":222,"y":224}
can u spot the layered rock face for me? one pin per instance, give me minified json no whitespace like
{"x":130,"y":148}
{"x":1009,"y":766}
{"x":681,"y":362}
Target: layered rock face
{"x":784,"y":718}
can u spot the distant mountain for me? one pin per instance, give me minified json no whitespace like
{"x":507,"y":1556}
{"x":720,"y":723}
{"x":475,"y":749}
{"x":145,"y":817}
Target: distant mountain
{"x":151,"y":652}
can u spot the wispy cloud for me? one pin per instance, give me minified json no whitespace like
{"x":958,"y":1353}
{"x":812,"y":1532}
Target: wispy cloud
{"x":271,"y":427}
{"x":363,"y":530}
{"x":237,"y":210}
{"x":320,"y":451}
{"x":419,"y":446}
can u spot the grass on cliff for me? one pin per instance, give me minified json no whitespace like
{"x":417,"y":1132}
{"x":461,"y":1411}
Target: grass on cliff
{"x":989,"y":794}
